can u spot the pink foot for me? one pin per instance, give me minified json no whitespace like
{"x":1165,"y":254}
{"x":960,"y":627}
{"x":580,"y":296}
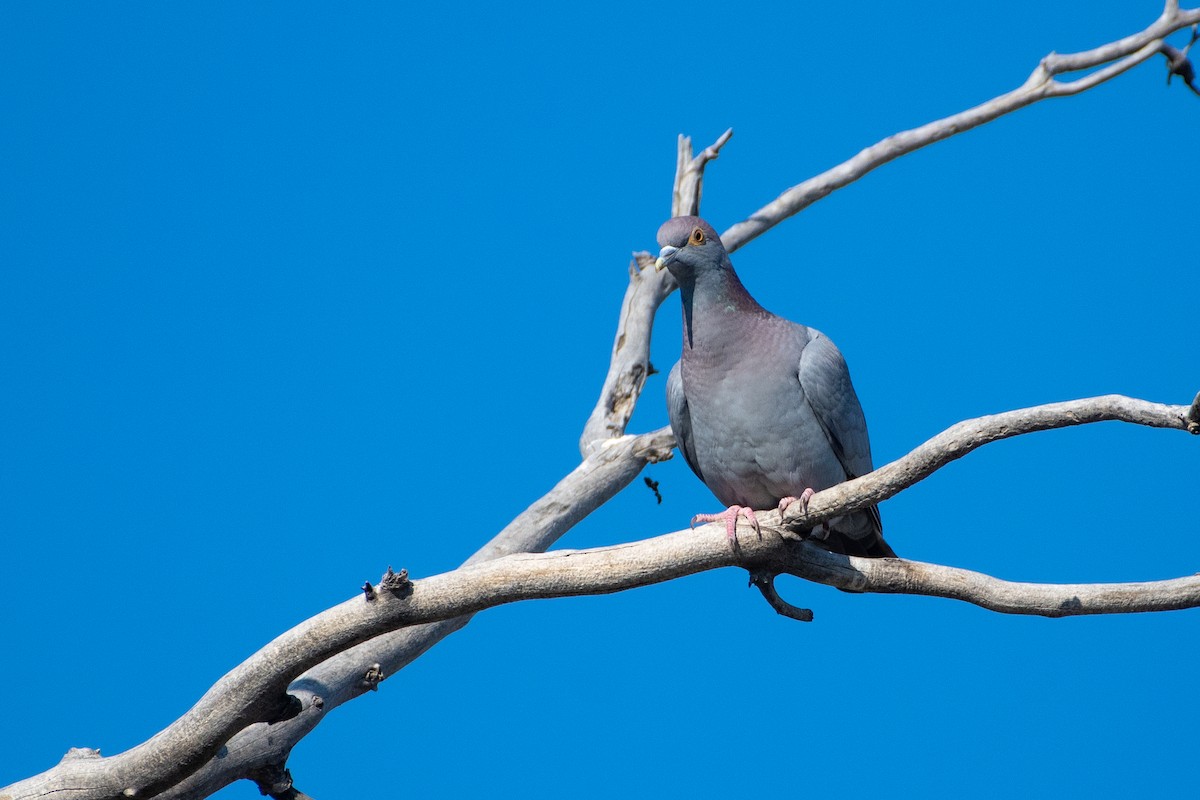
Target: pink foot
{"x":803,"y":499}
{"x":730,"y":516}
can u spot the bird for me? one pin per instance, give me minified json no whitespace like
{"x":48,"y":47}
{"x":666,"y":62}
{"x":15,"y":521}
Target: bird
{"x":762,"y":408}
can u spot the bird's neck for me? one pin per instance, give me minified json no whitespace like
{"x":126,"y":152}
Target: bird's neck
{"x":715,"y":305}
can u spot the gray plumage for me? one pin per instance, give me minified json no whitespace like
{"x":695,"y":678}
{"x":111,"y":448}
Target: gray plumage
{"x":762,"y":408}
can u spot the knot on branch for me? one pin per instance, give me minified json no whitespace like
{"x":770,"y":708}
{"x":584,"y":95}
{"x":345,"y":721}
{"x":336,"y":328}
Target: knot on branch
{"x":282,"y":708}
{"x":656,"y":446}
{"x":80,"y":752}
{"x":396,"y":582}
{"x":642,"y":261}
{"x":272,"y":780}
{"x":372,"y":678}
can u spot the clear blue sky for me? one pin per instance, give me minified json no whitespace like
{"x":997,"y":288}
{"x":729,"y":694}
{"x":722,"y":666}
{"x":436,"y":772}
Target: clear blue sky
{"x":293,"y":292}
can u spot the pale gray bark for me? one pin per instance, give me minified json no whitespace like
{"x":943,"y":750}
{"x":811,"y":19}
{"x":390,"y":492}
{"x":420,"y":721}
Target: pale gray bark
{"x":1119,"y":56}
{"x":964,"y":437}
{"x":349,"y":649}
{"x":629,"y":365}
{"x":252,"y":692}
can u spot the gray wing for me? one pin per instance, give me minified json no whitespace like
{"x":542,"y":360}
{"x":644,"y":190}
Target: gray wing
{"x":828,"y":391}
{"x":681,"y":420}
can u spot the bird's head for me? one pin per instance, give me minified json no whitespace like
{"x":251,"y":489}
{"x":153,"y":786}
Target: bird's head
{"x":689,"y":245}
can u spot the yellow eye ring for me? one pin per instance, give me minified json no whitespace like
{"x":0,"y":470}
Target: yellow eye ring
{"x":697,"y":236}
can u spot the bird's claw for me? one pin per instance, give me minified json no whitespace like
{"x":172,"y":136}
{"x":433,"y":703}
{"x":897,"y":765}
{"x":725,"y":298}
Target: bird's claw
{"x":730,"y":517}
{"x":803,"y":499}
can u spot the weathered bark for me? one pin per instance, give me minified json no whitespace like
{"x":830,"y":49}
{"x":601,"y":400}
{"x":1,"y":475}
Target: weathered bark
{"x":349,"y":649}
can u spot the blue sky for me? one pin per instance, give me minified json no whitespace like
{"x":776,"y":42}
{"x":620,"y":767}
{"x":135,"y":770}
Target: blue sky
{"x":292,"y":292}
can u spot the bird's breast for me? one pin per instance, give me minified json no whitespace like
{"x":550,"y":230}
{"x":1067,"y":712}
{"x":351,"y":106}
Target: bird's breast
{"x":753,"y":429}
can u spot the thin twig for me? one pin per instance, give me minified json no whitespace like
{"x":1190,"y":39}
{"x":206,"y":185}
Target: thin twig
{"x":957,"y":441}
{"x":765,"y":583}
{"x":689,"y":174}
{"x":1126,"y":52}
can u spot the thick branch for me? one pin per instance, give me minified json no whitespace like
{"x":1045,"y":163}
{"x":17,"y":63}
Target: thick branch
{"x":341,"y":678}
{"x":629,"y":365}
{"x":609,"y":465}
{"x":1041,"y":84}
{"x":252,"y":689}
{"x":255,"y":690}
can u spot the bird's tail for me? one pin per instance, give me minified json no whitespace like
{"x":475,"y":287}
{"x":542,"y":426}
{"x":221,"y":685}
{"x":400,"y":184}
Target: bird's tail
{"x":858,"y":534}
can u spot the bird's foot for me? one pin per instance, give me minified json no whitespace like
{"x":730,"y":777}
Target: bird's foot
{"x":730,"y":516}
{"x":803,"y":499}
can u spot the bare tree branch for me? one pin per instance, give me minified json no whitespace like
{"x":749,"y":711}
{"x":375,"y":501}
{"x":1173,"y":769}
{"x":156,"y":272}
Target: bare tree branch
{"x":608,"y":469}
{"x":629,"y":365}
{"x":630,"y":362}
{"x":609,"y":465}
{"x":1193,"y":416}
{"x":956,"y":442}
{"x":254,"y":716}
{"x":1041,"y":84}
{"x":899,"y":576}
{"x":252,"y":692}
{"x":689,"y":173}
{"x":647,"y":290}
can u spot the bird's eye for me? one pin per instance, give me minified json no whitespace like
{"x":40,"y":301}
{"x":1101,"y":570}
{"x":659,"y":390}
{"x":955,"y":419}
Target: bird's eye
{"x":697,"y":237}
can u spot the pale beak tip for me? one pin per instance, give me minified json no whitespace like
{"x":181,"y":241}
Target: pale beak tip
{"x":665,"y":256}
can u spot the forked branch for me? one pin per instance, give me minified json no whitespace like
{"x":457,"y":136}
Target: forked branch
{"x":251,"y":690}
{"x":179,"y":762}
{"x":630,"y":365}
{"x":1115,"y":58}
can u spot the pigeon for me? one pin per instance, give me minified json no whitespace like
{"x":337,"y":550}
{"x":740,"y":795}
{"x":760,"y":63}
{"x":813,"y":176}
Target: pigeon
{"x":762,"y":408}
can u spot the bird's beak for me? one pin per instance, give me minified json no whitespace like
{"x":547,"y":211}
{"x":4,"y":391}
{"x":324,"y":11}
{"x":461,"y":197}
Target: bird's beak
{"x":665,"y":256}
